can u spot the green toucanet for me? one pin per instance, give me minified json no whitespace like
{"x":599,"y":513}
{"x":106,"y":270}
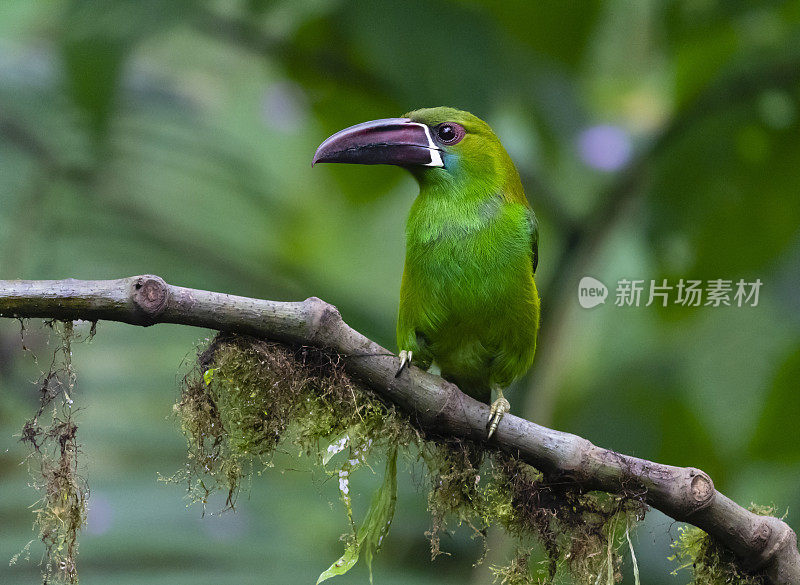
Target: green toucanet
{"x":469,"y":309}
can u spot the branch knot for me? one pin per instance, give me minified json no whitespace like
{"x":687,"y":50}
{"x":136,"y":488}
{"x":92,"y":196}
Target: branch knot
{"x":150,"y":295}
{"x":702,"y":489}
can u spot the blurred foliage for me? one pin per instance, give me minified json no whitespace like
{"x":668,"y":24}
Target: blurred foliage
{"x":174,"y":137}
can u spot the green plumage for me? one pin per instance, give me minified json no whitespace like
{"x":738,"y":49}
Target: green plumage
{"x":468,"y":300}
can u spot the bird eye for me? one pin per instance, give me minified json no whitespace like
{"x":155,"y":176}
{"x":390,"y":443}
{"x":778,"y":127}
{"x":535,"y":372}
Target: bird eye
{"x":450,"y":133}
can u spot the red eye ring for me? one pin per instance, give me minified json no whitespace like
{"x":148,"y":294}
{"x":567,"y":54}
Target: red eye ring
{"x":449,"y":133}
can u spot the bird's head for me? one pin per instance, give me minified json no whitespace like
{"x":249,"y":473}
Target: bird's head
{"x":440,"y":146}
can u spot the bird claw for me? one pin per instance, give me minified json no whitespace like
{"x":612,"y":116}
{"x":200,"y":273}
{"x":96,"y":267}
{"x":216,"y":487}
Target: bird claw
{"x":405,"y":360}
{"x":498,"y":410}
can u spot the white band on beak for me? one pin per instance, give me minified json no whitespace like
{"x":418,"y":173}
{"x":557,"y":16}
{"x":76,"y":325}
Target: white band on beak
{"x":436,"y":155}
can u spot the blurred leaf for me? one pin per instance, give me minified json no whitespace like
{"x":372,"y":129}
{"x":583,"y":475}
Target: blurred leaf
{"x":97,"y":37}
{"x":94,"y":67}
{"x":775,"y":436}
{"x":689,"y":442}
{"x":707,"y":39}
{"x":429,"y":53}
{"x":709,"y":192}
{"x":702,"y":40}
{"x":698,"y":62}
{"x":259,"y":6}
{"x":560,"y":30}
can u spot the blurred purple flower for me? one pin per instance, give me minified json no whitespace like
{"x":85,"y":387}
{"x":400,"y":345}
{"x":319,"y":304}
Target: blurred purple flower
{"x":605,"y":147}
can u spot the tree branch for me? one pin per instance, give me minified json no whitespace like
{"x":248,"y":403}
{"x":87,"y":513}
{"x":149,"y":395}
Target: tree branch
{"x":684,"y":493}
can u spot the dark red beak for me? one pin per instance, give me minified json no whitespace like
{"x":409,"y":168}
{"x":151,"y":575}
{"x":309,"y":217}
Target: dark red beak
{"x":391,"y":141}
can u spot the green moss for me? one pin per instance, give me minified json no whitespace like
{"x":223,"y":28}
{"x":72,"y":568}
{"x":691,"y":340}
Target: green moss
{"x":517,"y":572}
{"x":710,"y":562}
{"x":454,"y":491}
{"x":246,"y":396}
{"x":582,"y":533}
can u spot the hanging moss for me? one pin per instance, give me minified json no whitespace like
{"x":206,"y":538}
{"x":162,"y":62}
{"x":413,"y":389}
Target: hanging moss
{"x":51,"y":435}
{"x":247,"y":396}
{"x":517,"y":572}
{"x":582,"y":533}
{"x":454,"y":490}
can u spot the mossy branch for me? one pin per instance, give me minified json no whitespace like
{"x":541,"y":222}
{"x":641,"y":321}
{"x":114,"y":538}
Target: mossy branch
{"x":762,"y":543}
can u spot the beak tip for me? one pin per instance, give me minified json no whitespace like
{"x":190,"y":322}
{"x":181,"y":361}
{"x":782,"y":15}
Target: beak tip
{"x":319,"y":155}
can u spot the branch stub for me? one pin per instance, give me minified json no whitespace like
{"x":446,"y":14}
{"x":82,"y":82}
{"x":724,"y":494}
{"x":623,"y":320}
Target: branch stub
{"x":150,"y":295}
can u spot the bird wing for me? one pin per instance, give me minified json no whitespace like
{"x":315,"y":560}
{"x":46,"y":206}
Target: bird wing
{"x":534,"y":231}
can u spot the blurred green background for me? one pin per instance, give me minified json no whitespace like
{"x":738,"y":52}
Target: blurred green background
{"x":656,"y":139}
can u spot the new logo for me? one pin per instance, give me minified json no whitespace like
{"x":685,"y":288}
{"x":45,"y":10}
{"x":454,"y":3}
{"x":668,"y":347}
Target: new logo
{"x":591,"y":292}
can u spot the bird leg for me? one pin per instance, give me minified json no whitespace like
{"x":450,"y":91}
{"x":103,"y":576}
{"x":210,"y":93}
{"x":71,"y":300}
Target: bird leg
{"x":500,"y":406}
{"x":405,"y":360}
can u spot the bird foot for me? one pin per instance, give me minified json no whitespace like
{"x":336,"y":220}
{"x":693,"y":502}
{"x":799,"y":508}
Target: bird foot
{"x":498,"y":410}
{"x":405,"y":360}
